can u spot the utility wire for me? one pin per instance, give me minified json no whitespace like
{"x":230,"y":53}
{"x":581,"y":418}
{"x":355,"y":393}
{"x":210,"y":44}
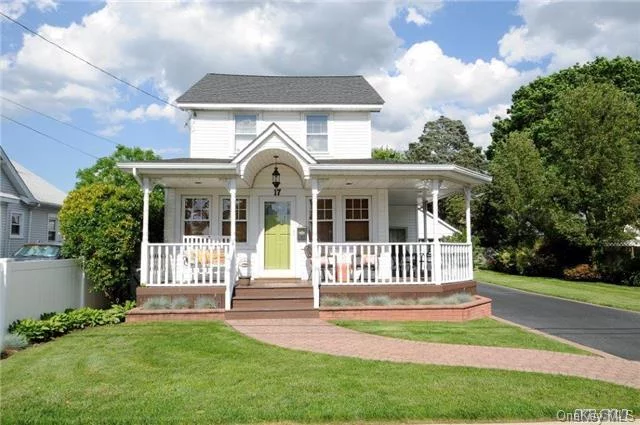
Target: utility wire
{"x":60,"y":121}
{"x":47,"y":136}
{"x":87,"y":62}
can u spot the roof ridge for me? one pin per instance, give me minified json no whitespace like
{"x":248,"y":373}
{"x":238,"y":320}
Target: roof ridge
{"x":286,"y":76}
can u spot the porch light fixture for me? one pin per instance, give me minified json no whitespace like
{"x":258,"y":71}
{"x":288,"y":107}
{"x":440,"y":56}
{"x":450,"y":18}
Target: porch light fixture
{"x":275,"y":178}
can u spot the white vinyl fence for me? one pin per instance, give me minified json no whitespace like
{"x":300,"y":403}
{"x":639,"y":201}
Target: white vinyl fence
{"x":30,"y":288}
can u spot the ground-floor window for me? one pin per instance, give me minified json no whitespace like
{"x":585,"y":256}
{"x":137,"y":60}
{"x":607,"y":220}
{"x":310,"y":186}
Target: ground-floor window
{"x":52,"y":227}
{"x":325,"y":219}
{"x":16,"y":224}
{"x":241,"y":218}
{"x":197,"y":215}
{"x":356,"y":224}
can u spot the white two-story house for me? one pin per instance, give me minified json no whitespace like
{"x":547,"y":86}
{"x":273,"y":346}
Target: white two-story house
{"x":280,"y":187}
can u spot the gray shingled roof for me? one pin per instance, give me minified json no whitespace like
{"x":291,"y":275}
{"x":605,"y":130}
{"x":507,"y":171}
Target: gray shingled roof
{"x":226,"y":88}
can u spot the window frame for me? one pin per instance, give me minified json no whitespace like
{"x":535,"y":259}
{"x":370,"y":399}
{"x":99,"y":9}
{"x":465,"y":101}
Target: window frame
{"x":235,"y":129}
{"x":307,"y":133}
{"x":20,"y":234}
{"x":245,"y":220}
{"x":369,"y":219}
{"x":310,"y":218}
{"x":183,"y":219}
{"x":53,"y":217}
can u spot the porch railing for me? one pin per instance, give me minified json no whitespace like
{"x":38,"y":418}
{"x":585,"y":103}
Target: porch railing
{"x":181,"y":264}
{"x":455,"y":262}
{"x":375,"y":263}
{"x":204,"y":239}
{"x":393,"y":263}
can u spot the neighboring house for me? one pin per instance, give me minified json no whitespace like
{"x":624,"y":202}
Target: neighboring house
{"x":29,"y":207}
{"x":280,"y":184}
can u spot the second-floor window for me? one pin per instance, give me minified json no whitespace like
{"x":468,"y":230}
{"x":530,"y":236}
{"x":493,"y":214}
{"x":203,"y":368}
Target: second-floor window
{"x":245,"y":129}
{"x":317,"y":133}
{"x":52,"y":227}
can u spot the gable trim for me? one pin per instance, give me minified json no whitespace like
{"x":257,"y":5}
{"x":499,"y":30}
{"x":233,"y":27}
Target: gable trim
{"x":271,"y":129}
{"x":15,"y":179}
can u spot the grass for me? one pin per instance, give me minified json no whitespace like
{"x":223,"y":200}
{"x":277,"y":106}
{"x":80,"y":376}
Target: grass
{"x":204,"y":372}
{"x":487,"y":332}
{"x":606,"y":294}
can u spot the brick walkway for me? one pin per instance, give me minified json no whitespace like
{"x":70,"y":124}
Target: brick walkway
{"x":322,"y":337}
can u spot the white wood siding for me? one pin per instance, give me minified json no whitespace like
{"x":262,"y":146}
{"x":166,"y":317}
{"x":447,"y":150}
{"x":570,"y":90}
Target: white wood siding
{"x":213,"y":132}
{"x":5,"y":184}
{"x":404,"y":217}
{"x":350,"y":135}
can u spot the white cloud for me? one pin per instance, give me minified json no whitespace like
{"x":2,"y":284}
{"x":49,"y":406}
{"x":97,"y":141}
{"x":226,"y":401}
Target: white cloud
{"x":426,"y":83}
{"x":16,"y":8}
{"x":110,"y":131}
{"x":568,"y":32}
{"x":413,"y":16}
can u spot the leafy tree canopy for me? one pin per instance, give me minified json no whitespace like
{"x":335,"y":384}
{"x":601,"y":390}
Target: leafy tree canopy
{"x":445,"y":141}
{"x":533,"y":103}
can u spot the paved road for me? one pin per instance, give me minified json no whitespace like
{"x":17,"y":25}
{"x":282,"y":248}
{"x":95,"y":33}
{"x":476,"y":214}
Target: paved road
{"x":613,"y":331}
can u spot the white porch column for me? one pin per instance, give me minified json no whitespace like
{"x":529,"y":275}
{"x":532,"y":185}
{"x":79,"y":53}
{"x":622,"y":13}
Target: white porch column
{"x":425,"y":218}
{"x":467,"y":210}
{"x":315,"y":258}
{"x":231,"y":274}
{"x":144,"y":248}
{"x":435,"y":193}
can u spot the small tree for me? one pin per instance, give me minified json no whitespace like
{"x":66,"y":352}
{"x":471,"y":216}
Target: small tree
{"x":388,"y":154}
{"x":101,"y":221}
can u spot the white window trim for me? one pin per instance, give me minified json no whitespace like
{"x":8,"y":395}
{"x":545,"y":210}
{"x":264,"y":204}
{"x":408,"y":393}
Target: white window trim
{"x":233,"y":119}
{"x":309,"y":221}
{"x":182,"y":209}
{"x":221,"y":219}
{"x":56,"y":228}
{"x":21,"y":234}
{"x":344,"y":217}
{"x":306,"y":132}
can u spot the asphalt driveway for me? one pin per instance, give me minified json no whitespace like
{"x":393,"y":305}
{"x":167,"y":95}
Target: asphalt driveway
{"x":613,"y":331}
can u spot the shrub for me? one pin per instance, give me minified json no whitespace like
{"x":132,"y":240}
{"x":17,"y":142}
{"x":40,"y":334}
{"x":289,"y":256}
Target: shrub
{"x":62,"y":323}
{"x":157,"y":303}
{"x":180,"y":303}
{"x":378,"y":300}
{"x":45,"y":316}
{"x":584,"y":272}
{"x":203,"y":302}
{"x":339,"y":302}
{"x":15,"y":341}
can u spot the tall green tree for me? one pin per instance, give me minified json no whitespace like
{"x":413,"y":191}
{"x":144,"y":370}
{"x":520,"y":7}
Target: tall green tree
{"x":518,"y":196}
{"x":446,"y":141}
{"x":101,"y":221}
{"x":594,"y":162}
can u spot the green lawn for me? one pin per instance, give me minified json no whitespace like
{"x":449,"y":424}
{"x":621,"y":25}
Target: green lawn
{"x":488,"y":332}
{"x":205,"y":372}
{"x":625,"y":297}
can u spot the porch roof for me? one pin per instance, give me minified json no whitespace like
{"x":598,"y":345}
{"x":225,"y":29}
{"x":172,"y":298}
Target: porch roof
{"x":333,"y":174}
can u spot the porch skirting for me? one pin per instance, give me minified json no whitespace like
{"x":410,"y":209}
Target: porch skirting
{"x":191,"y":293}
{"x":412,"y":291}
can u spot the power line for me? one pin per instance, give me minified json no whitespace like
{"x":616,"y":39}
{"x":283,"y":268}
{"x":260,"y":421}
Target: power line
{"x":47,"y":136}
{"x":60,"y":121}
{"x":87,"y":62}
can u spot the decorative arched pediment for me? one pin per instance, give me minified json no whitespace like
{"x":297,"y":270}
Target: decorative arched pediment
{"x":261,"y":151}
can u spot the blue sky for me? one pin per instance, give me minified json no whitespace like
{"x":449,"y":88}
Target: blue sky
{"x":460,"y":59}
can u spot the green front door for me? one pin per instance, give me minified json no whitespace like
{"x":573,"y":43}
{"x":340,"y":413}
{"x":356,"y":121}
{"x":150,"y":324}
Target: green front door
{"x":277,"y":217}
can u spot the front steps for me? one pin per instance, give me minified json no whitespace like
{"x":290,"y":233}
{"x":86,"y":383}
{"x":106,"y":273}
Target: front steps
{"x":273,"y":299}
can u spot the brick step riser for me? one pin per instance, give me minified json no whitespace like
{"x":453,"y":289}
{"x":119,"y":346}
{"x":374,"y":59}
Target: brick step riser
{"x":271,"y":314}
{"x":273,"y":292}
{"x":272,"y":304}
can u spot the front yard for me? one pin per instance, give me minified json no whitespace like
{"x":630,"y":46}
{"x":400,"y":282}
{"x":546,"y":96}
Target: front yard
{"x":205,"y":372}
{"x":487,"y":332}
{"x":606,"y":294}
